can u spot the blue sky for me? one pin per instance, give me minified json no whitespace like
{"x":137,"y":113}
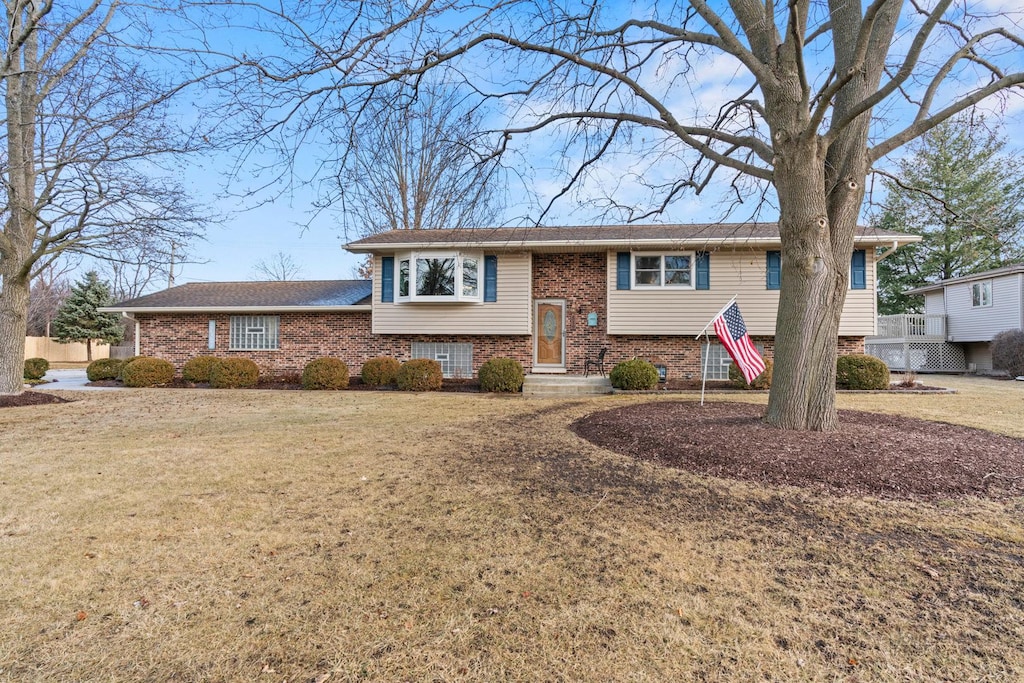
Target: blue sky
{"x":287,"y":222}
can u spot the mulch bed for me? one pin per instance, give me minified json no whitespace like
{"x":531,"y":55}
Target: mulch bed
{"x":29,"y":398}
{"x":290,"y":382}
{"x":873,"y":454}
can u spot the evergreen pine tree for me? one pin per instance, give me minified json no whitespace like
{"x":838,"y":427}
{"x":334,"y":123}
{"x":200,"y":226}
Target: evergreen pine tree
{"x":964,"y":197}
{"x":79,"y":319}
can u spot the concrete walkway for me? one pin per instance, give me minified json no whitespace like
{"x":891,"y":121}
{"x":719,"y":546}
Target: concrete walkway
{"x":72,"y":380}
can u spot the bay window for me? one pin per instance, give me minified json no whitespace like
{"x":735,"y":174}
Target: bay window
{"x":427,"y":276}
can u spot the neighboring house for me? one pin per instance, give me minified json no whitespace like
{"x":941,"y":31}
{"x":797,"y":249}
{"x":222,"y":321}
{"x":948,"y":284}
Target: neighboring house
{"x":548,"y":297}
{"x":961,"y":316}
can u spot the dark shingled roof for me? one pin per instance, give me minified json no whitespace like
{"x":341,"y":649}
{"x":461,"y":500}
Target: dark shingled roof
{"x":1012,"y":269}
{"x":263,"y":295}
{"x":596,"y":235}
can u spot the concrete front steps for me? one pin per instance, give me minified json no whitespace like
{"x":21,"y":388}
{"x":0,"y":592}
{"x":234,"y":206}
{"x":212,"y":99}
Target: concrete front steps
{"x":551,"y":386}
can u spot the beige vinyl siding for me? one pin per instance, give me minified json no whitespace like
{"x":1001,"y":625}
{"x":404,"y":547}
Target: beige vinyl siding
{"x":510,"y":314}
{"x":741,"y":273}
{"x":965,"y":323}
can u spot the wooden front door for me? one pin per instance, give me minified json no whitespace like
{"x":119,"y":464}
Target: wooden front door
{"x":549,"y":333}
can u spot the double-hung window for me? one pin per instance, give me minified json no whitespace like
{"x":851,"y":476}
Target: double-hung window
{"x":981,"y":294}
{"x":663,"y":270}
{"x":254,"y":332}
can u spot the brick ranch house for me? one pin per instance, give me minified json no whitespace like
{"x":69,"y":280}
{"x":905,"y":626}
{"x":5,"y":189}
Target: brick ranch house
{"x":548,"y":297}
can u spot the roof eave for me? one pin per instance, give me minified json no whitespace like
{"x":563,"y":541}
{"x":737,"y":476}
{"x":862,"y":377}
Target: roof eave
{"x":236,"y":309}
{"x":538,"y":245}
{"x":974,"y":277}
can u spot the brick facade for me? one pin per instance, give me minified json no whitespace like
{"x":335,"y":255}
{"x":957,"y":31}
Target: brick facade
{"x":578,"y":279}
{"x":306,"y":336}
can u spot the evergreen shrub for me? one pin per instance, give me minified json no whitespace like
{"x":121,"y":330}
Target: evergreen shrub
{"x":419,"y":374}
{"x":35,"y":368}
{"x":124,"y":363}
{"x":762,"y":381}
{"x":147,"y":372}
{"x":634,"y":375}
{"x":325,"y":373}
{"x":234,"y":373}
{"x":1008,"y":352}
{"x":502,"y":375}
{"x":860,"y":371}
{"x":197,"y":370}
{"x":380,"y":371}
{"x":104,"y":368}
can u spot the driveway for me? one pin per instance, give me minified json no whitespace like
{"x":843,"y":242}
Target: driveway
{"x":73,"y":380}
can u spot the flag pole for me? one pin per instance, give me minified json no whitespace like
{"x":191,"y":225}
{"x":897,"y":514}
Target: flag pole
{"x":704,"y":372}
{"x":717,"y":315}
{"x":707,"y":352}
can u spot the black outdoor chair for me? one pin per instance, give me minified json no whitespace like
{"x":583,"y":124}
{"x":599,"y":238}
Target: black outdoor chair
{"x":596,"y":362}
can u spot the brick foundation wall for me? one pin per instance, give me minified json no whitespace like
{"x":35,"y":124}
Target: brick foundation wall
{"x":306,"y":336}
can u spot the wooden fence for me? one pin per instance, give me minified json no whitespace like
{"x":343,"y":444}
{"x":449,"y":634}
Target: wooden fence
{"x":44,"y":347}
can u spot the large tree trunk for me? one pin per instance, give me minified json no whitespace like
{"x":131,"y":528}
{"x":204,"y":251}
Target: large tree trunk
{"x":811,"y":301}
{"x":13,"y":324}
{"x":16,"y":244}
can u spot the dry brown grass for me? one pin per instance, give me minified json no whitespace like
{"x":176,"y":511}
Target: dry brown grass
{"x":269,"y":536}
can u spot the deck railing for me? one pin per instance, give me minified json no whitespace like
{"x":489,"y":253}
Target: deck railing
{"x":912,"y":326}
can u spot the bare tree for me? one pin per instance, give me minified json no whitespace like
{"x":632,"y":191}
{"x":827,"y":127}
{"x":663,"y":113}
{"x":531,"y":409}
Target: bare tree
{"x":409,"y":163}
{"x":818,"y":93}
{"x":49,"y":289}
{"x":279,"y":267}
{"x":86,"y":128}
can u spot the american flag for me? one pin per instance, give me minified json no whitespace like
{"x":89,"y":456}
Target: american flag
{"x":732,"y":332}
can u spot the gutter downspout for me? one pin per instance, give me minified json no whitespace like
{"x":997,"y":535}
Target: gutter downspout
{"x":138,"y":329}
{"x":888,"y":252}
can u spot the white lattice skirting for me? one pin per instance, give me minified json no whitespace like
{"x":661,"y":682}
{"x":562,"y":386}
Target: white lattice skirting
{"x":919,"y":356}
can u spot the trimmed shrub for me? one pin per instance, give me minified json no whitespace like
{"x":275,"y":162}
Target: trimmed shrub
{"x":147,"y":372}
{"x":234,"y":373}
{"x":35,"y":368}
{"x":501,"y":374}
{"x":419,"y":374}
{"x":125,"y":362}
{"x":762,"y":381}
{"x":198,"y":369}
{"x":859,"y":371}
{"x":1008,"y":352}
{"x":380,"y":371}
{"x":325,"y":373}
{"x":104,"y":368}
{"x":634,"y":375}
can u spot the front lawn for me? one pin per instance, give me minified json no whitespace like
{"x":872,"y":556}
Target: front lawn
{"x":270,"y":536}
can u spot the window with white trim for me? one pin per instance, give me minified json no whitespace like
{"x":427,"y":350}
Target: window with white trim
{"x":456,"y":359}
{"x":717,"y":360}
{"x":254,"y":332}
{"x":663,"y":270}
{"x":981,"y":294}
{"x":439,"y":276}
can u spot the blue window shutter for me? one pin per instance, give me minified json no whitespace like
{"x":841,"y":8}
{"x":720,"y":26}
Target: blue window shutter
{"x":703,"y":270}
{"x":387,"y":279}
{"x":858,"y":270}
{"x":490,"y":278}
{"x":774,"y":264}
{"x":622,"y":270}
